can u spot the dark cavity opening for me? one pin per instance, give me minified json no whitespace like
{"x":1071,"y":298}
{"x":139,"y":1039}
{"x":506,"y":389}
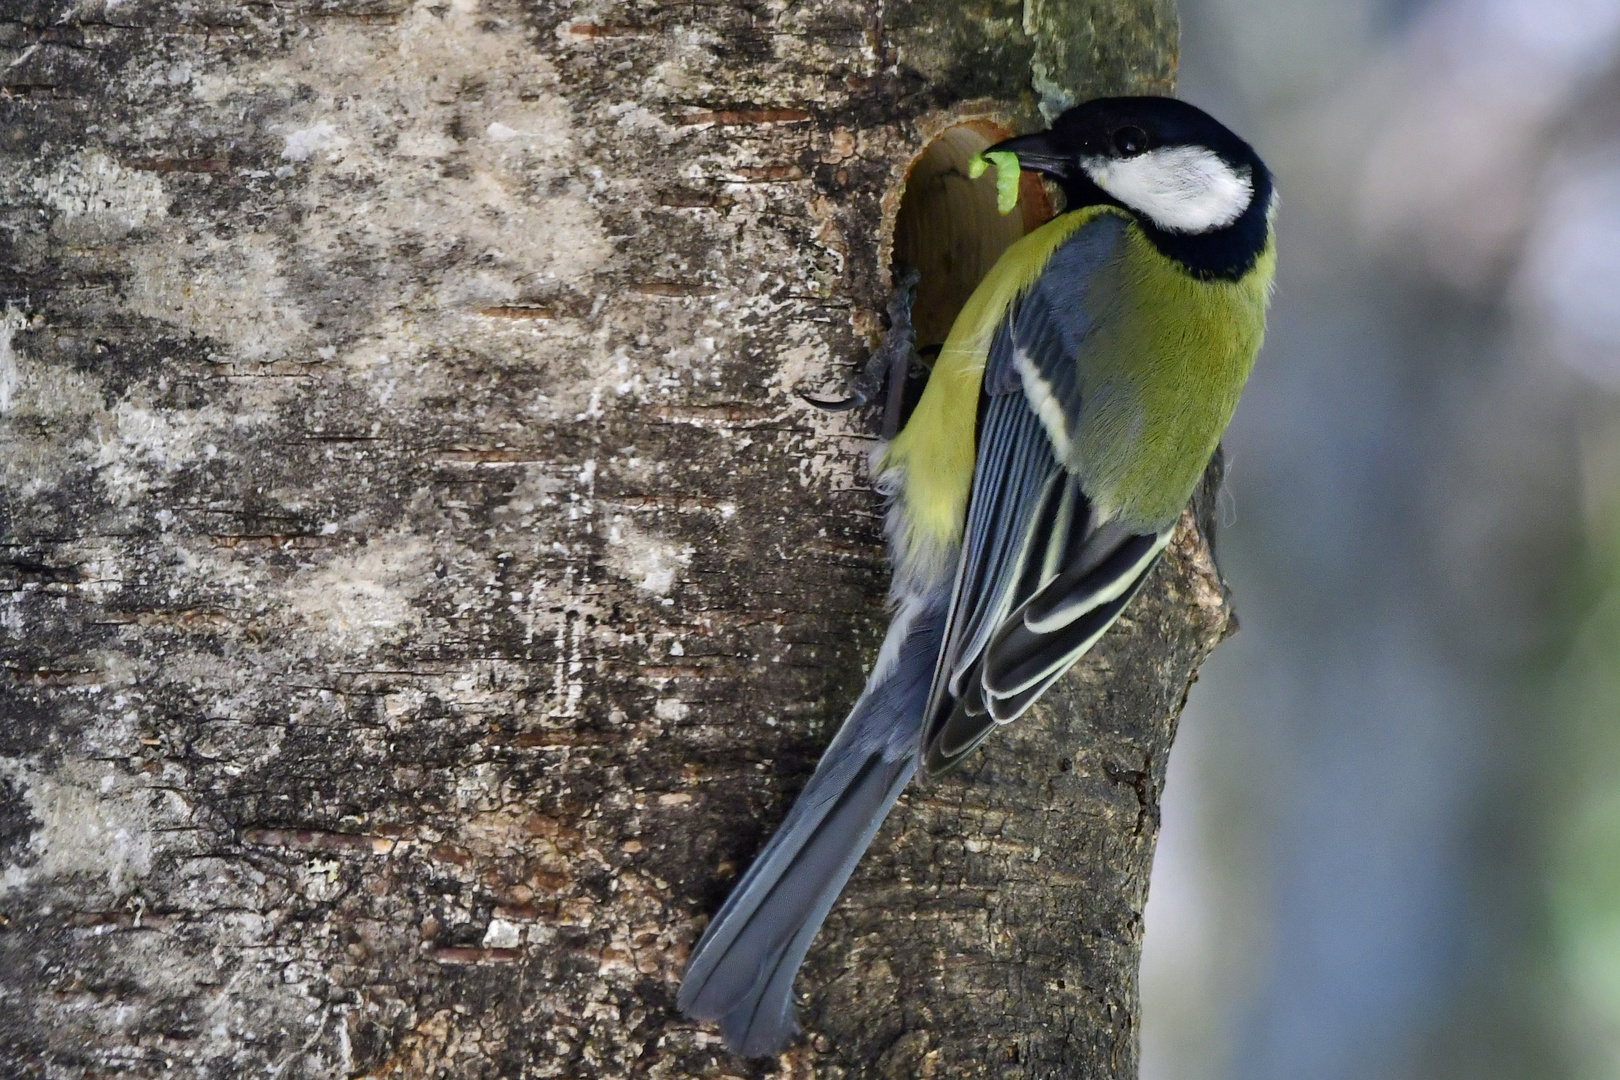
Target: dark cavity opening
{"x":948,"y":227}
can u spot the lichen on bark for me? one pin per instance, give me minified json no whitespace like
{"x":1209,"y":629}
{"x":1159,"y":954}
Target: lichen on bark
{"x":422,"y":585}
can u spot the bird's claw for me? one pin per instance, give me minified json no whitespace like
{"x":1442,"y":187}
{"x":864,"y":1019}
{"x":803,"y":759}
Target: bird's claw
{"x":854,"y":401}
{"x":885,"y":372}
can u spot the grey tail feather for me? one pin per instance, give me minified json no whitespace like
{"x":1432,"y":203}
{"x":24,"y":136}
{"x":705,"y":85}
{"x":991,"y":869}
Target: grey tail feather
{"x":742,"y":971}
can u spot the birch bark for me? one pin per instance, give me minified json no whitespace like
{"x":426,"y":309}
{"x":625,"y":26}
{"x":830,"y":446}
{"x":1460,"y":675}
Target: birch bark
{"x":422,"y":585}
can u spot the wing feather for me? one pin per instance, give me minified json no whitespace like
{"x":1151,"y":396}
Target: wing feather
{"x":1040,"y":579}
{"x":1011,"y":484}
{"x":1022,"y":655}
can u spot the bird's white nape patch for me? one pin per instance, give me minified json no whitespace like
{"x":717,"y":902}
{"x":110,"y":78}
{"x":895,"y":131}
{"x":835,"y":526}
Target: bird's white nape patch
{"x":1189,"y":189}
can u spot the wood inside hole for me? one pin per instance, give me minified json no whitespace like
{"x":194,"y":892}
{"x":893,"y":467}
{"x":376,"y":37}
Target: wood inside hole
{"x":948,"y":227}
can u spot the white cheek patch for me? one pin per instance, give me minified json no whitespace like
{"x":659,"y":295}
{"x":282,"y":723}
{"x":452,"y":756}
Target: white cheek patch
{"x":1186,"y":189}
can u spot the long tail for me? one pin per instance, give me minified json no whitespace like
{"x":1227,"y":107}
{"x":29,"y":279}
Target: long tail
{"x":741,"y":973}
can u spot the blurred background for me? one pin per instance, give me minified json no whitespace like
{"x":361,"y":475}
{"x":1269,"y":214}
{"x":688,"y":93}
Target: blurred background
{"x":1391,"y":843}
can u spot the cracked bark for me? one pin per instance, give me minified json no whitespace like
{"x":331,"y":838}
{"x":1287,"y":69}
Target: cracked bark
{"x":423,"y":588}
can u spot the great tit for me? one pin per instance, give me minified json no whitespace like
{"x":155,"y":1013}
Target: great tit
{"x":1067,"y":420}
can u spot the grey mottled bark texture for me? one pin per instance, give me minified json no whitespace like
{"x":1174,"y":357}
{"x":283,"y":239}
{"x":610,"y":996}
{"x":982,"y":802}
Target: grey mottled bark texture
{"x":421,"y":588}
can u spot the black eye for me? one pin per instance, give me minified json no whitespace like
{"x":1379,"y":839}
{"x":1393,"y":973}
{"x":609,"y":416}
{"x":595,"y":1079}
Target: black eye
{"x":1130,"y":141}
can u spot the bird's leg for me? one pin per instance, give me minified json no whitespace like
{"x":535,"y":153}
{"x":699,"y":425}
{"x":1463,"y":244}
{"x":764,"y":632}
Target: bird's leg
{"x":898,"y":350}
{"x":886,"y":371}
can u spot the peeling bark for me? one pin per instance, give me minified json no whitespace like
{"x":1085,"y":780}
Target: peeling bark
{"x":423,"y":587}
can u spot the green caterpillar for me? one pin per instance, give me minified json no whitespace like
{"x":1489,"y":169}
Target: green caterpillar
{"x":1007,"y":173}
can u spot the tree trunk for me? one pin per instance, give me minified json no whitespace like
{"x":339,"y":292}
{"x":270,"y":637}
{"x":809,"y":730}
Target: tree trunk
{"x":423,"y":586}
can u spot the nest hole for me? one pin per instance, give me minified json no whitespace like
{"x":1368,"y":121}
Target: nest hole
{"x":948,"y":227}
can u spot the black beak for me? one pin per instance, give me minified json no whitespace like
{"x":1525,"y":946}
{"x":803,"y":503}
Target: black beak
{"x":1035,"y":152}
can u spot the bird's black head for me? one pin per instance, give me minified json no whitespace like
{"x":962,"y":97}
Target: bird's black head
{"x":1201,"y":193}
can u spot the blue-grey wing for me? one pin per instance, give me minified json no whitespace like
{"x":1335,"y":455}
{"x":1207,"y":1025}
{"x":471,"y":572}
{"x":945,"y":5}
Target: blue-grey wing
{"x":1040,"y":578}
